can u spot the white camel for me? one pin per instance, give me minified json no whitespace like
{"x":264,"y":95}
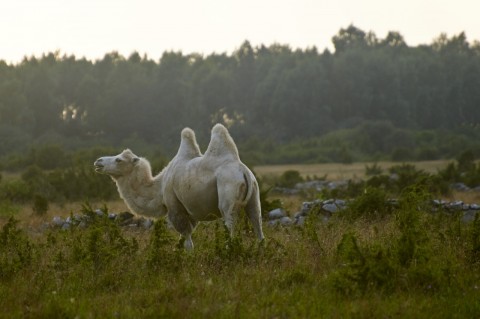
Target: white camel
{"x":192,"y":187}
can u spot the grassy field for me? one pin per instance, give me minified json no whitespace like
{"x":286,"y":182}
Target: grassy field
{"x":336,"y":171}
{"x":363,"y":268}
{"x":370,"y":263}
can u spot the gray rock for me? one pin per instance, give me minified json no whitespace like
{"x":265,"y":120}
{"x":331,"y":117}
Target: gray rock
{"x":460,"y":187}
{"x":273,"y":223}
{"x":99,"y":212}
{"x":317,"y":185}
{"x":469,"y":216}
{"x":394,"y":177}
{"x":439,"y":202}
{"x":66,"y":226}
{"x":475,"y":206}
{"x":112,"y":216}
{"x":456,"y":205}
{"x":341,"y":203}
{"x":300,"y":220}
{"x":286,"y":221}
{"x":58,"y":221}
{"x":147,"y":223}
{"x":286,"y":191}
{"x":276,"y":213}
{"x":337,"y":184}
{"x":330,"y":208}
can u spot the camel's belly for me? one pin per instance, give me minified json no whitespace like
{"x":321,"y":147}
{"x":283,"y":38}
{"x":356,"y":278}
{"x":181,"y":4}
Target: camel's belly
{"x":200,"y":198}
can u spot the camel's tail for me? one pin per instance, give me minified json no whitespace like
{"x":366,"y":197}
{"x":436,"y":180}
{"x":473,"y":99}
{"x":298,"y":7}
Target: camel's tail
{"x":250,"y":182}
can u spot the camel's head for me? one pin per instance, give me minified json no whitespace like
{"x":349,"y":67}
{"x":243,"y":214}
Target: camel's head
{"x":117,"y":166}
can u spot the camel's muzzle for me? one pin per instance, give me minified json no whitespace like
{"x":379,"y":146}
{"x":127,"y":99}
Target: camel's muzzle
{"x":98,"y":166}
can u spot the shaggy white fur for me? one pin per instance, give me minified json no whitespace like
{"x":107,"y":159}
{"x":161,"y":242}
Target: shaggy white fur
{"x":192,"y":187}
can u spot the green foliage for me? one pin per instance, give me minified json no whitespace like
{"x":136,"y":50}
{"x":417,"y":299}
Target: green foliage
{"x":266,"y":203}
{"x":96,"y":247}
{"x":161,"y":252}
{"x":73,"y":184}
{"x":230,"y":248}
{"x":40,"y":205}
{"x":403,"y":262}
{"x":413,"y":242}
{"x":372,"y":204}
{"x":16,"y":250}
{"x":474,"y":253}
{"x":289,"y":178}
{"x":341,"y":268}
{"x":7,"y":209}
{"x":465,"y":170}
{"x":15,"y":191}
{"x":48,"y":157}
{"x":405,"y":175}
{"x":365,"y":269}
{"x":373,"y":170}
{"x":378,"y":98}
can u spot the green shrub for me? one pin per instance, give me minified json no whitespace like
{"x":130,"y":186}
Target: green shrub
{"x":15,"y":191}
{"x":466,"y":161}
{"x":401,"y":154}
{"x":464,"y":170}
{"x":474,"y":250}
{"x":289,"y":178}
{"x":373,"y":170}
{"x":95,"y":247}
{"x":49,"y":157}
{"x":161,"y":252}
{"x":372,"y":204}
{"x":40,"y":205}
{"x":7,"y":208}
{"x":16,"y":251}
{"x":405,"y":262}
{"x":412,"y":243}
{"x":427,"y":153}
{"x":363,"y":268}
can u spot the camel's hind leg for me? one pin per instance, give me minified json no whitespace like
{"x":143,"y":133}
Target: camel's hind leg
{"x":254,"y":213}
{"x":230,"y":204}
{"x":232,"y":200}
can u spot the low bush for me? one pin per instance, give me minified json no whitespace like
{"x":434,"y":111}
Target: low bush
{"x":289,"y":178}
{"x":408,"y":260}
{"x":16,"y":250}
{"x":372,"y":204}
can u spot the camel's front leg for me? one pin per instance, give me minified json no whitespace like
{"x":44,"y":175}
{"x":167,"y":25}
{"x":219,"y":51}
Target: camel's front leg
{"x":181,"y":221}
{"x":184,"y":226}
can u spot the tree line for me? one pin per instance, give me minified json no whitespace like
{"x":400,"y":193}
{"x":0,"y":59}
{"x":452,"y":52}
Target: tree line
{"x":275,"y":93}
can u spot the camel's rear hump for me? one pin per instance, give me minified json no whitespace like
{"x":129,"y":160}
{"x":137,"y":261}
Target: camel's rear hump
{"x":221,"y":144}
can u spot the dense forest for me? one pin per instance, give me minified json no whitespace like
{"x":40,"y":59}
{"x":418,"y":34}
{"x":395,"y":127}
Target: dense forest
{"x":370,"y":98}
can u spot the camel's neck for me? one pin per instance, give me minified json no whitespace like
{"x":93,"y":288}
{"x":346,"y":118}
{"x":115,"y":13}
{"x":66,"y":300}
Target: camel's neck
{"x":142,"y":193}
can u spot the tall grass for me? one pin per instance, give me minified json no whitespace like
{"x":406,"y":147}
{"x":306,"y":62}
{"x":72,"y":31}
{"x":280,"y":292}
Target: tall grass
{"x":404,"y":263}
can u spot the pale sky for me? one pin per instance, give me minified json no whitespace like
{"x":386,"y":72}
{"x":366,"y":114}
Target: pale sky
{"x":91,"y":28}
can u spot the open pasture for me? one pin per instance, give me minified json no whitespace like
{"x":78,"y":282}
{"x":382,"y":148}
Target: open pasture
{"x":405,"y":263}
{"x":337,"y":171}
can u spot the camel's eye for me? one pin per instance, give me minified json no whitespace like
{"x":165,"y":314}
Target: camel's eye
{"x":118,"y":160}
